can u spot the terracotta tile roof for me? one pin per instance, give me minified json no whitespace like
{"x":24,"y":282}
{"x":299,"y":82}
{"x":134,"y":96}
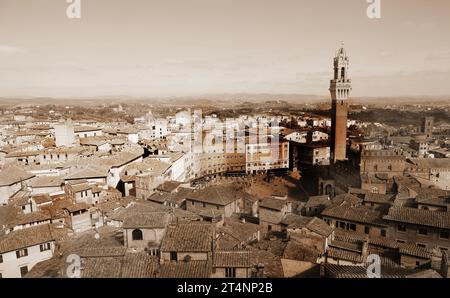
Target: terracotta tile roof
{"x":353,"y":237}
{"x":116,"y":262}
{"x":414,"y":250}
{"x":25,"y":238}
{"x":80,"y":187}
{"x":103,"y":267}
{"x":346,"y":271}
{"x":347,"y":245}
{"x":46,"y":181}
{"x":8,"y":214}
{"x":361,"y":214}
{"x":233,"y":258}
{"x":313,"y":224}
{"x":295,"y":221}
{"x":91,"y":171}
{"x":239,"y":230}
{"x":139,"y":265}
{"x":379,"y":198}
{"x":434,"y":197}
{"x":347,"y":197}
{"x":85,"y":128}
{"x":190,"y":269}
{"x":146,"y":220}
{"x":297,"y":251}
{"x":41,"y":199}
{"x":273,"y":267}
{"x":318,"y":200}
{"x":342,"y":254}
{"x":168,"y":186}
{"x":148,"y":166}
{"x":193,"y":237}
{"x":77,"y":207}
{"x":176,"y":197}
{"x":21,"y":198}
{"x":319,"y":226}
{"x":12,"y":175}
{"x":218,"y":194}
{"x":273,"y":204}
{"x":32,"y":217}
{"x":427,"y":273}
{"x":122,"y":158}
{"x":436,"y":219}
{"x":93,"y":252}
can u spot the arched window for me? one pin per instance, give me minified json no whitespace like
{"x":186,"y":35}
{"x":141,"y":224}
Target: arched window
{"x":136,"y":235}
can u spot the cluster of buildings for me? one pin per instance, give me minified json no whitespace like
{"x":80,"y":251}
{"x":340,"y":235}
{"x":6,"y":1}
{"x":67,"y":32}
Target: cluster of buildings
{"x":191,"y":195}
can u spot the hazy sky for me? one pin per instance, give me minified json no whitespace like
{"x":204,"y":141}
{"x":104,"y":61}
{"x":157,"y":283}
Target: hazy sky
{"x":190,"y":47}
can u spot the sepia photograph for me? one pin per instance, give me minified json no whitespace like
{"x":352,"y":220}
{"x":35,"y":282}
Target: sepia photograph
{"x":224,"y":146}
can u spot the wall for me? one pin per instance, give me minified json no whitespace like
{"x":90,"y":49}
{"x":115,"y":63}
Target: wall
{"x":11,"y":265}
{"x":149,"y":235}
{"x":240,"y":272}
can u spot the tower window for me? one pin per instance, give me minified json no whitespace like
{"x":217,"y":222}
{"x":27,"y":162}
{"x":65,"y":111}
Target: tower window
{"x":343,"y":73}
{"x":137,"y":235}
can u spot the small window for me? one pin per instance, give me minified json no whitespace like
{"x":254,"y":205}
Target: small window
{"x":352,"y":227}
{"x":366,"y":230}
{"x":173,"y":256}
{"x":230,"y":272}
{"x":204,"y":205}
{"x":137,"y":235}
{"x":45,"y":247}
{"x":444,"y":235}
{"x":23,"y":271}
{"x":401,"y":228}
{"x":22,"y":253}
{"x":1,"y":259}
{"x":417,"y":263}
{"x":423,"y":232}
{"x":383,"y":233}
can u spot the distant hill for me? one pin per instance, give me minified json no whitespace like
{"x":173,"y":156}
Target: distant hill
{"x":214,"y":99}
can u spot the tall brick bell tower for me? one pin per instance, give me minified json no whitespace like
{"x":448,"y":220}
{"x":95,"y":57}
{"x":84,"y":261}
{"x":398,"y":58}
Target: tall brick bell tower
{"x":340,"y":88}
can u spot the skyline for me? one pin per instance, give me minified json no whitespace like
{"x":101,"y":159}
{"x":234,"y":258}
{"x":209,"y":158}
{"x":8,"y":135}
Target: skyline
{"x":171,"y":48}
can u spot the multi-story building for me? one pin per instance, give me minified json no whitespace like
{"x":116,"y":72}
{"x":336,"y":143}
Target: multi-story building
{"x":21,"y":250}
{"x":340,"y":88}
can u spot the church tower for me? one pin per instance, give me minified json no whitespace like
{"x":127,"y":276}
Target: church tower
{"x":340,"y":87}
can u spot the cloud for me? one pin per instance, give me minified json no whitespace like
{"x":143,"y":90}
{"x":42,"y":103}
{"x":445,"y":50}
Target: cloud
{"x":10,"y":50}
